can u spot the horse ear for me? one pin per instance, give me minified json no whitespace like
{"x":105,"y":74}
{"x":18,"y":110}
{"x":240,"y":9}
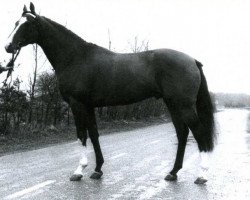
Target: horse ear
{"x":32,"y":8}
{"x":25,"y":9}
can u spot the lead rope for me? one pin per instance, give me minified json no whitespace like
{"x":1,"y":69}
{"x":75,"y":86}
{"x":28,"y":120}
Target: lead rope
{"x":10,"y":65}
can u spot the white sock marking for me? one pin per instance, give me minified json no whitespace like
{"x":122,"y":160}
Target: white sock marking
{"x":29,"y":190}
{"x":204,"y":164}
{"x":83,"y":162}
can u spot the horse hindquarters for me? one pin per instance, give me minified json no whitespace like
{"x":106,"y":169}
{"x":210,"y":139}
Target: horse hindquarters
{"x":193,"y":109}
{"x":200,"y":116}
{"x":184,"y":118}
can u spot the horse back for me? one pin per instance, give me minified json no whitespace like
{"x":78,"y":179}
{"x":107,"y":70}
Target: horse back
{"x":107,"y":78}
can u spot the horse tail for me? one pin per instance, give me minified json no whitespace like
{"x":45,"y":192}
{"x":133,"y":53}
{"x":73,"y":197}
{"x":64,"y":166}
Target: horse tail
{"x":205,"y":111}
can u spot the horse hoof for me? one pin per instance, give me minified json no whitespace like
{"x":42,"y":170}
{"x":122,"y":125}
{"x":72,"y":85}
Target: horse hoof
{"x":171,"y":177}
{"x":76,"y":177}
{"x":96,"y":175}
{"x":200,"y":181}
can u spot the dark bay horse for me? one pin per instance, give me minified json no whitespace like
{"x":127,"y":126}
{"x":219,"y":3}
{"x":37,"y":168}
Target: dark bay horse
{"x":90,"y":76}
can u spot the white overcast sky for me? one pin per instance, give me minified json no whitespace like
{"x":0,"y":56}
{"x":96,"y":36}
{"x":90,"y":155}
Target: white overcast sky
{"x":215,"y":32}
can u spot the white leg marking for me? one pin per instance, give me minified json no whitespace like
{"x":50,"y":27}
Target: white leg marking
{"x":204,"y":164}
{"x":83,"y":162}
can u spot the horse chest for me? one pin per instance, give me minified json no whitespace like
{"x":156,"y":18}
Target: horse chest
{"x":72,"y":85}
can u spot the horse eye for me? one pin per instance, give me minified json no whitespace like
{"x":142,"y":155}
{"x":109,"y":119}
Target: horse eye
{"x":16,"y":24}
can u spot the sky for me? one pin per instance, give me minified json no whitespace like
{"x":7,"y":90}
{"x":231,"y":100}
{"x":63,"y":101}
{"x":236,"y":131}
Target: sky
{"x":215,"y":32}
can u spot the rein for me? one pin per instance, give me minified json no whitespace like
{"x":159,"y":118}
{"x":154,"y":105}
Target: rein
{"x":10,"y":65}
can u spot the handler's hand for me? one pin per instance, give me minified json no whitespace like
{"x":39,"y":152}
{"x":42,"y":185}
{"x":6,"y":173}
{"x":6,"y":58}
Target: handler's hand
{"x":2,"y":69}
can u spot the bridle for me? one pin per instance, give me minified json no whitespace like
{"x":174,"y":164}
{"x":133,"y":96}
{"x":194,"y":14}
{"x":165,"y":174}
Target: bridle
{"x":14,"y":27}
{"x":10,"y":65}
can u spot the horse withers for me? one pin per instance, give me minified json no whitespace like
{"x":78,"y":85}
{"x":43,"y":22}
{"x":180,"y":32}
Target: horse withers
{"x":90,"y":76}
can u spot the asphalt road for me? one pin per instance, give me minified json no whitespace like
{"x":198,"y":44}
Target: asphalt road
{"x":136,"y":163}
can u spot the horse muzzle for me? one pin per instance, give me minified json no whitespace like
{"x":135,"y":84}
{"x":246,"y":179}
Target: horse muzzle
{"x":10,"y":48}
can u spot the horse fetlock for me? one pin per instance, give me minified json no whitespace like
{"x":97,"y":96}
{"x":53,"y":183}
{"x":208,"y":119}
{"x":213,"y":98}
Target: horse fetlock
{"x":176,"y":169}
{"x":100,"y":162}
{"x":78,"y":170}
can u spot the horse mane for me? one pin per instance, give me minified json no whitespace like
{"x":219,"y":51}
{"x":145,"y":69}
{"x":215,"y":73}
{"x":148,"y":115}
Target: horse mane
{"x":68,"y":32}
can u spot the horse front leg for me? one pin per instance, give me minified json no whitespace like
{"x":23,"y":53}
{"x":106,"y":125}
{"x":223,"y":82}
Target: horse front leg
{"x":94,"y":137}
{"x":79,"y":112}
{"x":83,"y":162}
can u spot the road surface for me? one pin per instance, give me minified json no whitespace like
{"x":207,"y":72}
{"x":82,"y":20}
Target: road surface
{"x":136,"y":163}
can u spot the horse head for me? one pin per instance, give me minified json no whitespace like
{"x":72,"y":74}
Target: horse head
{"x":25,"y":31}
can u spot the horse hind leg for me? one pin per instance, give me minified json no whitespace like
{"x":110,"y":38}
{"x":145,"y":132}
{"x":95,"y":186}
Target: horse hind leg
{"x":182,"y":134}
{"x":192,"y":120}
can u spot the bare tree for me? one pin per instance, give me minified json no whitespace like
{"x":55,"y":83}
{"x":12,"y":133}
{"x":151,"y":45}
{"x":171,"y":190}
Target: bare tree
{"x":32,"y":83}
{"x":109,"y":40}
{"x":137,"y":46}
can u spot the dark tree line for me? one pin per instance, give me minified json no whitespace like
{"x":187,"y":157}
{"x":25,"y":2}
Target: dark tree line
{"x":45,"y":107}
{"x":13,"y":104}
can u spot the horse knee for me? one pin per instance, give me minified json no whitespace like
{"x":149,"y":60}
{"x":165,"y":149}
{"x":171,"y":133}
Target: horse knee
{"x":94,"y":138}
{"x":82,"y":137}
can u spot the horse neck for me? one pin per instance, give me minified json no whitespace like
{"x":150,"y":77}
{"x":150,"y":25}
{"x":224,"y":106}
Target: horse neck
{"x":59,"y":44}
